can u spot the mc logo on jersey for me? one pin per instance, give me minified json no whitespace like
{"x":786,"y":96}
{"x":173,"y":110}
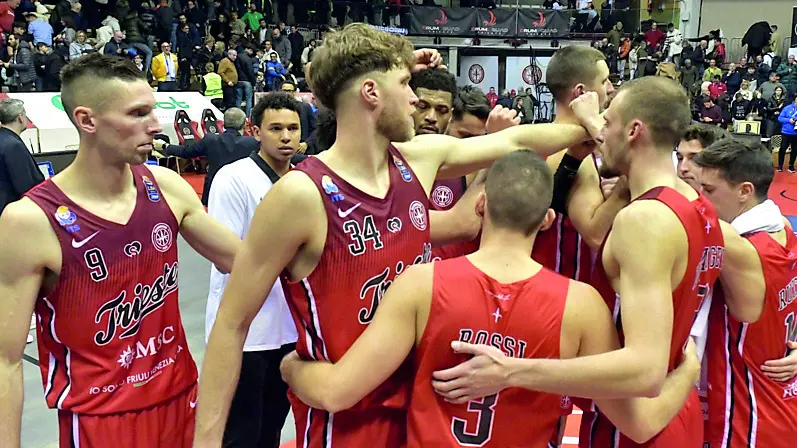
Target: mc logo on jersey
{"x":152,"y":192}
{"x":162,"y":237}
{"x":418,"y":215}
{"x":405,"y":172}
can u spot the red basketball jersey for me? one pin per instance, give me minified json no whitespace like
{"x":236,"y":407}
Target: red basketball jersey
{"x":369,"y":241}
{"x":524,"y":320}
{"x":746,"y":408}
{"x":561,"y":249}
{"x":706,"y":251}
{"x":110,"y":335}
{"x":446,"y":193}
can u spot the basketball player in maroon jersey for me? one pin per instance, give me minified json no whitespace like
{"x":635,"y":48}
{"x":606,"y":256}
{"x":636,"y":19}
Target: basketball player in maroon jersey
{"x":497,"y":295}
{"x":752,"y":319}
{"x":94,"y":249}
{"x":662,"y":256}
{"x":343,"y":224}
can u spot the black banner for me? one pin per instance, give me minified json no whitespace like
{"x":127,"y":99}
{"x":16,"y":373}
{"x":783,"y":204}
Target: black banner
{"x":539,"y":23}
{"x":793,"y":27}
{"x":442,"y":21}
{"x":495,"y":22}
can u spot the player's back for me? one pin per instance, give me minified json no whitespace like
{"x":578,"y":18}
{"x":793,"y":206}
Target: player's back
{"x":524,"y":320}
{"x":369,"y":241}
{"x":110,"y":335}
{"x":746,"y":408}
{"x":446,"y":193}
{"x":705,"y":254}
{"x":561,"y":249}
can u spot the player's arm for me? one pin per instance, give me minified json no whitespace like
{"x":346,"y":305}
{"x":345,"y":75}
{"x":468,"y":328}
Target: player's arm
{"x":592,"y":214}
{"x":376,"y":354}
{"x":292,"y":203}
{"x":25,"y":238}
{"x":587,"y":316}
{"x":460,"y":222}
{"x":642,"y":242}
{"x":742,"y":276}
{"x":206,"y":235}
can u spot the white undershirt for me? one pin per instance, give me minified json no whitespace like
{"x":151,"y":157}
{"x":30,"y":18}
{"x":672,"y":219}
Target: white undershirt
{"x":236,"y":192}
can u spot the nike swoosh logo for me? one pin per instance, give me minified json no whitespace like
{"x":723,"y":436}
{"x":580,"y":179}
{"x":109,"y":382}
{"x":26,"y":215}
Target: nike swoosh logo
{"x":79,"y":244}
{"x":346,"y":213}
{"x":192,"y":404}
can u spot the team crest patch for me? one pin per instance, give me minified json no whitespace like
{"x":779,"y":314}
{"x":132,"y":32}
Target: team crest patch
{"x":405,"y":172}
{"x":152,"y":191}
{"x":418,"y":215}
{"x":162,"y":237}
{"x":442,"y":196}
{"x":66,"y":218}
{"x":331,"y":189}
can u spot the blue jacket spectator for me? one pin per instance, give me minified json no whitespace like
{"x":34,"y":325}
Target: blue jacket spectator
{"x":788,"y":117}
{"x":275,"y":71}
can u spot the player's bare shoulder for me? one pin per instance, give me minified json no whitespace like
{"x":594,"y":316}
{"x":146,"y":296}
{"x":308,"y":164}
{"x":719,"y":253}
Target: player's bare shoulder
{"x":646,"y":219}
{"x":27,"y":237}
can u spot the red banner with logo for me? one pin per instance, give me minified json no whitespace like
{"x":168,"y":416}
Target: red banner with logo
{"x":541,"y":23}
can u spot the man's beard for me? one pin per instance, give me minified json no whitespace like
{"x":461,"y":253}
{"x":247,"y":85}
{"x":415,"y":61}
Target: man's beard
{"x":392,"y":127}
{"x":607,"y":172}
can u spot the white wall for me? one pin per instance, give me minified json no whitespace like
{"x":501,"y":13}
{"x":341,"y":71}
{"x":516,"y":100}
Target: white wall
{"x":734,"y":17}
{"x":472,"y":67}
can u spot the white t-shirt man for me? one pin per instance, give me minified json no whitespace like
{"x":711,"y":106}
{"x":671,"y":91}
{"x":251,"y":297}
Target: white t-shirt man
{"x":235,"y":193}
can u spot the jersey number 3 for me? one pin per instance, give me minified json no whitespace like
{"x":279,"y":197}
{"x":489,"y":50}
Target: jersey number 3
{"x":485,"y":408}
{"x":361,"y":235}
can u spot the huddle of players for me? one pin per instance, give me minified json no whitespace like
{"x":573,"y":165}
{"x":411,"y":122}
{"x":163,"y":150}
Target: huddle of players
{"x":429,"y":306}
{"x":343,"y":226}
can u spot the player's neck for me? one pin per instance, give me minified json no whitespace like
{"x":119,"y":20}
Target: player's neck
{"x":279,"y":167}
{"x":362,"y":147}
{"x":564,"y":115}
{"x":653,"y":170}
{"x":94,"y":177}
{"x":501,"y":246}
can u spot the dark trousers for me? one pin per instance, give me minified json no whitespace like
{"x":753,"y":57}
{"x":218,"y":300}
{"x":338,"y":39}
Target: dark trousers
{"x":788,"y":140}
{"x":168,"y":86}
{"x":260,"y":404}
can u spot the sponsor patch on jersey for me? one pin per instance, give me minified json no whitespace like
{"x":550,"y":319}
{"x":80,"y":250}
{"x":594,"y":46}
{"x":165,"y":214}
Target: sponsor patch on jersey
{"x":405,"y":172}
{"x":162,"y":237}
{"x":418,"y":215}
{"x":64,"y":216}
{"x":132,"y":249}
{"x":152,"y":191}
{"x":331,"y":189}
{"x":790,"y":391}
{"x":442,"y":196}
{"x":394,"y":225}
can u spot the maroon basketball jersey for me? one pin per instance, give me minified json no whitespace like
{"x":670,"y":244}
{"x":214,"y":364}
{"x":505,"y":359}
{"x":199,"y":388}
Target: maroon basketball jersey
{"x":110,"y":335}
{"x":561,"y":249}
{"x":746,"y":408}
{"x":369,"y":242}
{"x":446,"y":193}
{"x":706,"y":251}
{"x":522,"y":319}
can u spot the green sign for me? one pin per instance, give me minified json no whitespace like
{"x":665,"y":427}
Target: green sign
{"x":172,"y":104}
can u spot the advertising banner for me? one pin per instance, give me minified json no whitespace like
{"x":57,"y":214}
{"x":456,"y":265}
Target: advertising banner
{"x":495,"y":22}
{"x":541,"y":23}
{"x":427,"y":21}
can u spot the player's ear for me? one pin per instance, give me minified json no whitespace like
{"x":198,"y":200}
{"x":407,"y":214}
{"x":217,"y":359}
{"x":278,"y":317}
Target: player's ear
{"x":634,"y":130}
{"x":481,"y":204}
{"x":746,"y":191}
{"x":548,"y":220}
{"x":578,"y":90}
{"x":369,"y":91}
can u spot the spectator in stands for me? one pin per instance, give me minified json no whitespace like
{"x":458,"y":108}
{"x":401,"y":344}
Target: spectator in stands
{"x":7,"y":16}
{"x":21,"y":61}
{"x":185,"y":55}
{"x":282,"y":46}
{"x":615,"y":34}
{"x":244,"y":89}
{"x":747,"y":90}
{"x":164,"y":17}
{"x":788,"y":75}
{"x":788,"y":120}
{"x":775,"y":106}
{"x":717,"y":87}
{"x":219,"y":52}
{"x":41,"y":30}
{"x":139,"y":62}
{"x":740,"y":107}
{"x":297,"y":46}
{"x":529,"y":103}
{"x":268,"y":50}
{"x":220,"y":28}
{"x":435,"y":90}
{"x":307,"y":53}
{"x":195,"y":16}
{"x":718,"y":52}
{"x":275,"y":73}
{"x":252,"y":17}
{"x":117,"y":46}
{"x":79,"y":47}
{"x":133,"y":27}
{"x":229,"y":76}
{"x":165,"y":68}
{"x":211,"y":85}
{"x":505,"y":99}
{"x":673,"y":42}
{"x":758,"y":107}
{"x":732,"y":78}
{"x":762,"y":70}
{"x":48,"y":66}
{"x":220,"y":149}
{"x":307,"y":117}
{"x":237,"y":26}
{"x":148,"y":22}
{"x":654,"y":38}
{"x":767,"y":89}
{"x":263,"y":33}
{"x":710,"y":113}
{"x":205,"y":54}
{"x":751,"y":77}
{"x":689,"y":76}
{"x":698,"y":57}
{"x":712,"y":71}
{"x":18,"y":170}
